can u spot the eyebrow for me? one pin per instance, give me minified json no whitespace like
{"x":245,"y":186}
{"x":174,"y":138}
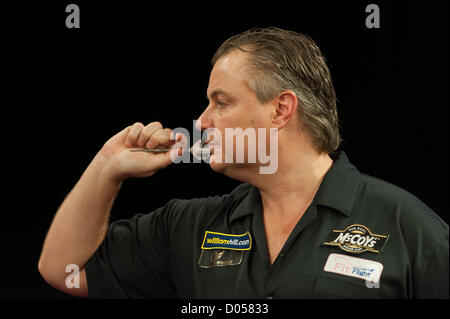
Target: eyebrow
{"x":217,"y":92}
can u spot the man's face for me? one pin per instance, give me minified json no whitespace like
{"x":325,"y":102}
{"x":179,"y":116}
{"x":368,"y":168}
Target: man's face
{"x":232,"y":105}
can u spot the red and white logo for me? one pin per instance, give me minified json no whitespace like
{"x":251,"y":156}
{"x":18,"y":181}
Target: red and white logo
{"x":366,"y":269}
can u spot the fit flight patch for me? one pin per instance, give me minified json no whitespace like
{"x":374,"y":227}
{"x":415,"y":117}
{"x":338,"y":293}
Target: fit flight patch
{"x":365,"y":269}
{"x":356,"y":239}
{"x":214,"y":240}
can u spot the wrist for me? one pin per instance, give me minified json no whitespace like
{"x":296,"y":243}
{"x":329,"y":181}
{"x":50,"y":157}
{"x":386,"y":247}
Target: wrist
{"x":106,"y":171}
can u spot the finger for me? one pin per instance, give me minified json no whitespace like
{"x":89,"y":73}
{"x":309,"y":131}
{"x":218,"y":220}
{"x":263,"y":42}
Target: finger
{"x":133,"y":135}
{"x":148,"y":131}
{"x":178,"y":148}
{"x":180,"y":137}
{"x":181,"y":142}
{"x":160,"y":161}
{"x":160,"y":138}
{"x":122,"y":135}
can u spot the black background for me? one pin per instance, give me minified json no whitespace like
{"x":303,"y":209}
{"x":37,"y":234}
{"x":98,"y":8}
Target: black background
{"x":66,"y":91}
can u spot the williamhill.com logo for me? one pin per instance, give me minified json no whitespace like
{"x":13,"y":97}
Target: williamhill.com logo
{"x":233,"y":242}
{"x":356,"y":239}
{"x":214,"y":240}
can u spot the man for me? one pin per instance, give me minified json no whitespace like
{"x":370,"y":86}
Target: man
{"x":314,"y":228}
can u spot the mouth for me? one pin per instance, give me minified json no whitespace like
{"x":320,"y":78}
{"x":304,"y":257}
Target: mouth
{"x":211,"y":146}
{"x":203,"y":143}
{"x":201,"y":149}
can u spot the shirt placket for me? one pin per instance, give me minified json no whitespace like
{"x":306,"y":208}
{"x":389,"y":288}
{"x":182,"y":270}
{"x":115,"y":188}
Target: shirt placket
{"x":272,"y":273}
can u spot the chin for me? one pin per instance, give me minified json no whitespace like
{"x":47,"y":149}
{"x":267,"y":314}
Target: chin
{"x":217,"y":167}
{"x":231,"y":170}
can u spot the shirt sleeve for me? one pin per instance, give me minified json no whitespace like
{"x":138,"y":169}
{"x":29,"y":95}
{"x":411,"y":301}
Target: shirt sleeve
{"x":432,"y":279}
{"x":133,"y":259}
{"x":429,"y":253}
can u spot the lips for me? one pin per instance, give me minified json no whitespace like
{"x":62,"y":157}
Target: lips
{"x":200,"y":150}
{"x":212,"y":146}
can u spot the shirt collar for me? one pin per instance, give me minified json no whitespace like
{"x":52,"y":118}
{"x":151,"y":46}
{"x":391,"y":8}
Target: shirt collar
{"x":339,"y":186}
{"x":337,"y":190}
{"x":249,"y":204}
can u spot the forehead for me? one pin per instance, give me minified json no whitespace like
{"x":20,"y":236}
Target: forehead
{"x":227,"y":73}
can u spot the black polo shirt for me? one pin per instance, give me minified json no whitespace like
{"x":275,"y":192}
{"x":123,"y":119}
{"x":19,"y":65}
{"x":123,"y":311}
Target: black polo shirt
{"x":360,"y":238}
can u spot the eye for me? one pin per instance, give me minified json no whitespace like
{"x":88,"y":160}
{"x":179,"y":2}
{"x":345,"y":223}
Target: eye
{"x":221,"y":104}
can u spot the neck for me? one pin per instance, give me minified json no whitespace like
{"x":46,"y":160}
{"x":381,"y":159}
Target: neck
{"x":299,"y":175}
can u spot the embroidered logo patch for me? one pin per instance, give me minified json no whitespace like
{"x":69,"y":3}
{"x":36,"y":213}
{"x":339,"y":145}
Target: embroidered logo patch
{"x":213,"y":240}
{"x":365,"y":269}
{"x":356,"y":239}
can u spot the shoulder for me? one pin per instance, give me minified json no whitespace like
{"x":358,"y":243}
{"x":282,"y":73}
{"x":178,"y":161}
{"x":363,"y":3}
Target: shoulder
{"x":387,"y":195}
{"x":198,"y":211}
{"x":404,"y":211}
{"x":210,"y":202}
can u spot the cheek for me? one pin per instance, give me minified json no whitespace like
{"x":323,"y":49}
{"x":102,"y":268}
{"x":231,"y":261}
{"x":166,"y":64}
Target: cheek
{"x":240,"y":117}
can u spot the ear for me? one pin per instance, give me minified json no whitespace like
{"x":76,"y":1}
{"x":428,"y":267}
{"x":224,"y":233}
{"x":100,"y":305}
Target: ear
{"x":285,"y":108}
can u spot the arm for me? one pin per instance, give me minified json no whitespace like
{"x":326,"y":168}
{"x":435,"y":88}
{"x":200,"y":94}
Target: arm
{"x":80,"y":224}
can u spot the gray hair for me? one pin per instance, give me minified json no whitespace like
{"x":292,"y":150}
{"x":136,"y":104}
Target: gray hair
{"x":286,"y":60}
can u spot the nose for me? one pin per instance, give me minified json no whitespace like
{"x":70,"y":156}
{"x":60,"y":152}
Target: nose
{"x":204,"y":121}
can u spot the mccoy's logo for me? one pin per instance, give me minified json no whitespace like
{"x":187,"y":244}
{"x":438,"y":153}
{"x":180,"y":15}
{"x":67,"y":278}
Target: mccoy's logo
{"x":356,"y":239}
